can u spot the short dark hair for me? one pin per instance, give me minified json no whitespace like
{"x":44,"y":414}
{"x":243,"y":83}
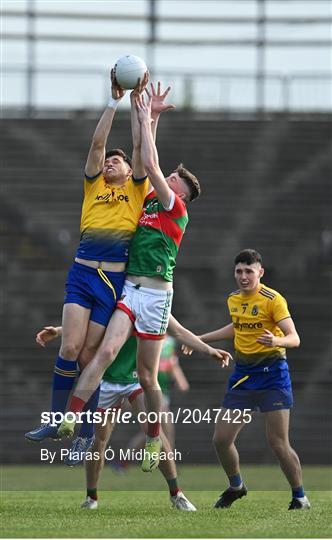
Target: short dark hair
{"x":119,"y":152}
{"x":248,"y":256}
{"x":190,"y":180}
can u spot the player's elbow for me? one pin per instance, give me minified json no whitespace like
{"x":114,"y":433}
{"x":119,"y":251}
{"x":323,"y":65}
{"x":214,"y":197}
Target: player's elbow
{"x":97,"y":143}
{"x":294,"y":341}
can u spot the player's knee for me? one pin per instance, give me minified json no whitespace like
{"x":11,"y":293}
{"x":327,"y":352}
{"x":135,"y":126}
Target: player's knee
{"x":83,"y":361}
{"x":100,"y":444}
{"x":148,"y":381}
{"x":145,"y":381}
{"x":278,"y":444}
{"x":70,"y":351}
{"x":101,"y":439}
{"x":220,"y":441}
{"x":106,"y":354}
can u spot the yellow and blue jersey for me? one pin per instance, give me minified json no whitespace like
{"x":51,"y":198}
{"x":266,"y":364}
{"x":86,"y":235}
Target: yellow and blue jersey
{"x":109,"y":218}
{"x":261,"y":379}
{"x":251,"y":315}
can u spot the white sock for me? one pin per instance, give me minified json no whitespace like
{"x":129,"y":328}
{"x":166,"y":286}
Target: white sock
{"x":237,"y":487}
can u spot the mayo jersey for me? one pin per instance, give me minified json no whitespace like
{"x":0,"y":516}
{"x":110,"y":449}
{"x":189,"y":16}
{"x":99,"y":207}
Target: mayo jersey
{"x":109,"y":218}
{"x":251,"y":314}
{"x":123,"y":369}
{"x":155,"y":245}
{"x":168,"y":360}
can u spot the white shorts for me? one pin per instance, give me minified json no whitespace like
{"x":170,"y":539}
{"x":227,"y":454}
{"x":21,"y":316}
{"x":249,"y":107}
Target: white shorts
{"x":113,"y":394}
{"x":148,"y":309}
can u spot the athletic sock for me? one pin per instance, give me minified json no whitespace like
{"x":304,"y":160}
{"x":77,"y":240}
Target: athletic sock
{"x":298,"y":492}
{"x":76,"y":405}
{"x":92,"y":493}
{"x":63,"y":381}
{"x":87,"y":428}
{"x":173,"y":486}
{"x":153,"y":429}
{"x":235,"y":481}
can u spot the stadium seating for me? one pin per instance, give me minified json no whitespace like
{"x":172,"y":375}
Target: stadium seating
{"x":266,"y":184}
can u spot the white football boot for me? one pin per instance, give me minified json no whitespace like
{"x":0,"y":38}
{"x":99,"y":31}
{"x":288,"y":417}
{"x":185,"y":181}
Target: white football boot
{"x":181,"y":502}
{"x":89,"y":504}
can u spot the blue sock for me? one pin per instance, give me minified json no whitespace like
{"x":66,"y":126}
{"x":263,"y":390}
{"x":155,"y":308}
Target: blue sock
{"x":87,"y":428}
{"x":298,"y":492}
{"x":235,"y":481}
{"x":63,"y":381}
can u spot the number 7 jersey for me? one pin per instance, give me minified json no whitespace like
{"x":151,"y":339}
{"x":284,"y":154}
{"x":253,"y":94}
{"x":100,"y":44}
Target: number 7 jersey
{"x":251,"y":315}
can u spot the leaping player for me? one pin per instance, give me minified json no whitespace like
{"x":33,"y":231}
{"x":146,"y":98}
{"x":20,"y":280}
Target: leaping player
{"x":146,"y":300}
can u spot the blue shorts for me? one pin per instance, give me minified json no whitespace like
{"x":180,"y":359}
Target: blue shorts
{"x":263,"y":388}
{"x":85,"y":287}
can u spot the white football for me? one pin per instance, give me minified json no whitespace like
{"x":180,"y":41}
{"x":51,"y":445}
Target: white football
{"x":128,"y":69}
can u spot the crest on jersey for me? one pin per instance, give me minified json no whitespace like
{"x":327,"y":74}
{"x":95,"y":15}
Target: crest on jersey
{"x":254,"y":310}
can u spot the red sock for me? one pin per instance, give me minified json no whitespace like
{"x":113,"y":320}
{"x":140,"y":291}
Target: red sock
{"x":153,"y":429}
{"x":174,"y":492}
{"x":76,"y":404}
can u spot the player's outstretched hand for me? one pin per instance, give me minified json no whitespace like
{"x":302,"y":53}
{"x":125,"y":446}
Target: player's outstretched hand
{"x":268,"y":339}
{"x":186,"y":350}
{"x":221,"y":356}
{"x":47,"y":334}
{"x":158,"y":104}
{"x":117,"y":90}
{"x":141,"y":85}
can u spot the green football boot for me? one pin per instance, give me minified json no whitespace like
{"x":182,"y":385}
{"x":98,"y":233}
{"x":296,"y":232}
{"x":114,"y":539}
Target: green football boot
{"x":66,"y":428}
{"x":151,"y":454}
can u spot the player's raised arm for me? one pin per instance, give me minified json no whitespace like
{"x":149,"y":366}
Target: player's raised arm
{"x":150,"y":155}
{"x":158,"y":106}
{"x":137,"y":166}
{"x":189,"y":339}
{"x":96,"y":156}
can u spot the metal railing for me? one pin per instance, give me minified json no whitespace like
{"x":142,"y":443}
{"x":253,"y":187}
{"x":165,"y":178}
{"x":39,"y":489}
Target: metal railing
{"x":225,"y":83}
{"x":186,"y":88}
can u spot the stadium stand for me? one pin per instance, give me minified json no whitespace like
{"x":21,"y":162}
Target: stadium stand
{"x":266,"y":184}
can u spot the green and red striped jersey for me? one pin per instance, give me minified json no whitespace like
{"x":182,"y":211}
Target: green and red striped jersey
{"x":155,"y":244}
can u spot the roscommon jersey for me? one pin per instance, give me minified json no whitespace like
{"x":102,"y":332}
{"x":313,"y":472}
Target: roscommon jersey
{"x":251,"y":315}
{"x":109,"y":218}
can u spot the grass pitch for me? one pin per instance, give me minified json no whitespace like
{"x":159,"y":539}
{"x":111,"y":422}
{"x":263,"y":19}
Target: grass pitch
{"x":42,"y":512}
